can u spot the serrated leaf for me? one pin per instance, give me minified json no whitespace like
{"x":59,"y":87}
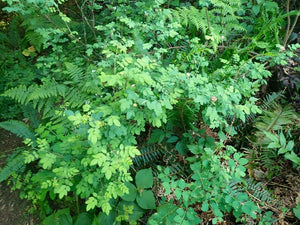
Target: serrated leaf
{"x":62,"y":190}
{"x":177,"y":193}
{"x":185,"y":197}
{"x":91,"y":203}
{"x":125,"y":104}
{"x":204,"y":206}
{"x":181,"y":184}
{"x":180,"y":212}
{"x":236,"y":205}
{"x":249,"y":208}
{"x":237,"y":156}
{"x":243,"y":161}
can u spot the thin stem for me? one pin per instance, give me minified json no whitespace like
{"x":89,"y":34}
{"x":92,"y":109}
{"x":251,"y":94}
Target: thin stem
{"x":289,"y":23}
{"x":291,"y":30}
{"x":207,"y":18}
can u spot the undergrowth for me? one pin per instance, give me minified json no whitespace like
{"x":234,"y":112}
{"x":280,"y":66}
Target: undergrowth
{"x":131,"y":108}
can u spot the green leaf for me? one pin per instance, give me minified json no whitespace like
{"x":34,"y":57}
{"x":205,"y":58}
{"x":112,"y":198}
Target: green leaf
{"x":172,"y":139}
{"x":243,"y":161}
{"x":201,"y":99}
{"x":83,"y":219}
{"x":178,"y":193}
{"x":214,"y":221}
{"x":256,"y":9}
{"x":231,"y":164}
{"x":99,"y":159}
{"x":249,"y":208}
{"x":62,"y":190}
{"x":181,"y":148}
{"x":18,"y":128}
{"x":282,"y":139}
{"x":271,"y":136}
{"x":61,"y":217}
{"x":292,"y":157}
{"x":107,"y":170}
{"x":125,"y":104}
{"x":181,"y":184}
{"x":48,"y":160}
{"x":205,"y":206}
{"x":237,"y":156}
{"x":165,"y":215}
{"x":146,"y":200}
{"x":132,"y":192}
{"x":216,"y":209}
{"x":157,"y":136}
{"x":274,"y":145}
{"x":290,"y":146}
{"x":91,"y":203}
{"x":144,"y":178}
{"x":103,"y":218}
{"x":15,"y":164}
{"x":236,"y":205}
{"x":137,"y":211}
{"x":195,"y":149}
{"x":297,"y":210}
{"x":282,"y":151}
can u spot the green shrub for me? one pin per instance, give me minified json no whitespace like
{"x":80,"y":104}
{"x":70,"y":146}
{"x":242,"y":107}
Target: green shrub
{"x":124,"y":74}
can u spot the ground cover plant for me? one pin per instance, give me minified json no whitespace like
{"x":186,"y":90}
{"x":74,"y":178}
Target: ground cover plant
{"x":150,"y":112}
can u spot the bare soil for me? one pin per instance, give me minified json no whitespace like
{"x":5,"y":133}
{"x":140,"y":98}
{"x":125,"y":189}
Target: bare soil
{"x":13,"y":210}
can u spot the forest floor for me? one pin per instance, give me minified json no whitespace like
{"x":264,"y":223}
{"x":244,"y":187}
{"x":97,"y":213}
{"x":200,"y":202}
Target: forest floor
{"x":284,"y":187}
{"x":13,"y":210}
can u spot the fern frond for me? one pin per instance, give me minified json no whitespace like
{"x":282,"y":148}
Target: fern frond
{"x":76,"y":98}
{"x":277,"y":119}
{"x":191,"y":16}
{"x":267,"y":158}
{"x":35,"y":39}
{"x":149,"y":155}
{"x":47,"y":90}
{"x":48,"y":111}
{"x":18,"y":128}
{"x":32,"y":115}
{"x":179,"y":170}
{"x":75,"y":72}
{"x":175,"y":169}
{"x":256,"y":189}
{"x":13,"y":165}
{"x":18,"y":94}
{"x":270,"y":102}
